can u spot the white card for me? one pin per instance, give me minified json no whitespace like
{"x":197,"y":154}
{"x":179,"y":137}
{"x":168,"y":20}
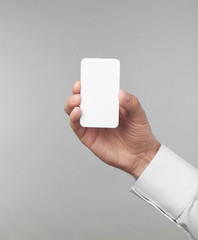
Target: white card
{"x":100,"y":84}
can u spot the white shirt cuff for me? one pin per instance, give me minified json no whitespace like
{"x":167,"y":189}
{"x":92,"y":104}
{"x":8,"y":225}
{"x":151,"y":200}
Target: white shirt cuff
{"x":168,"y":183}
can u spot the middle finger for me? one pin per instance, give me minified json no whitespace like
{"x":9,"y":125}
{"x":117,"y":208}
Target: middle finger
{"x":72,"y":102}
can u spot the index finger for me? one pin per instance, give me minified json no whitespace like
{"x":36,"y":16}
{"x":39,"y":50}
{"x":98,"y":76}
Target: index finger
{"x":76,"y":87}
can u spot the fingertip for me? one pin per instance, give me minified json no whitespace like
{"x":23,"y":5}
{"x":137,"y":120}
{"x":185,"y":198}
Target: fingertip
{"x":76,"y":87}
{"x":75,"y":114}
{"x":121,"y":93}
{"x":124,"y":96}
{"x":128,"y":101}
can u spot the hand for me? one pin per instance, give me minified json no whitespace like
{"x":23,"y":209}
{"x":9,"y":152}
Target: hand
{"x":131,"y":146}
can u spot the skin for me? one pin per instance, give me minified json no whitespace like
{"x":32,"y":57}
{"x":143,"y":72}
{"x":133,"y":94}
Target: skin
{"x":130,"y":147}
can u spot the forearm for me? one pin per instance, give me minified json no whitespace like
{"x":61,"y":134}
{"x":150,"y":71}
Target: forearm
{"x":170,"y":184}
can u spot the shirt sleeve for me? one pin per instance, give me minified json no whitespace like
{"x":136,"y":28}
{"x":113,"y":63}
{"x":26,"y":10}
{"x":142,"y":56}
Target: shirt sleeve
{"x":170,"y":184}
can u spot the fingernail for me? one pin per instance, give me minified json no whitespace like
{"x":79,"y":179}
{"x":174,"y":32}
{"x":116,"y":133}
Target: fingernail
{"x":127,"y":96}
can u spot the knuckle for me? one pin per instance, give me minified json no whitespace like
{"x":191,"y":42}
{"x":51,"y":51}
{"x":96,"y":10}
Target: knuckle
{"x":74,"y":88}
{"x":65,"y":110}
{"x":66,"y":107}
{"x":70,"y":101}
{"x":71,"y":123}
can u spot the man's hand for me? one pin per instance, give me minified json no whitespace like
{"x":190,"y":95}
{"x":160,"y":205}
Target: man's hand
{"x":131,"y":146}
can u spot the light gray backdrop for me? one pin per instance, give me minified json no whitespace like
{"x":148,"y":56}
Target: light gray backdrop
{"x":51,"y":186}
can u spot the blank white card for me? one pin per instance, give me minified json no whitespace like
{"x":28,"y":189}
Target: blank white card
{"x":100,"y":84}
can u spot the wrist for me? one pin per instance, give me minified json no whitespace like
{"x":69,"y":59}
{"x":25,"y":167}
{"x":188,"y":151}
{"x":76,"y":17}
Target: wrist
{"x":145,"y":159}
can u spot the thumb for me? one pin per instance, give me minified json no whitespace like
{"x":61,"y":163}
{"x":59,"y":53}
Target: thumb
{"x":131,"y":104}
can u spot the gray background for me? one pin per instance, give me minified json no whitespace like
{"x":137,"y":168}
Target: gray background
{"x":51,"y":186}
